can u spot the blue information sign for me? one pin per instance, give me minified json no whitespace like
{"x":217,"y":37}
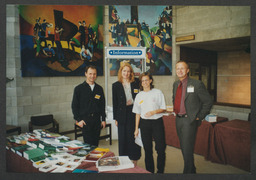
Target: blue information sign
{"x":125,"y":52}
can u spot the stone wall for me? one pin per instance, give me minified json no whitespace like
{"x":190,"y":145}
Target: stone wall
{"x":233,"y":78}
{"x":27,"y":96}
{"x":209,"y":23}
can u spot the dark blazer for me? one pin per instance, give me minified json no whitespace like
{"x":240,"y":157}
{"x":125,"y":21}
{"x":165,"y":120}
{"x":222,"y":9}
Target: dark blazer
{"x":85,"y":101}
{"x":197,"y":103}
{"x":119,"y":99}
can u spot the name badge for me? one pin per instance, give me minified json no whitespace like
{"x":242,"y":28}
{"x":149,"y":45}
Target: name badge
{"x":141,"y":102}
{"x":190,"y":89}
{"x":135,"y":90}
{"x":97,"y":96}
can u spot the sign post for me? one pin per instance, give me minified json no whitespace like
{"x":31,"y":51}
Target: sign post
{"x":122,"y":53}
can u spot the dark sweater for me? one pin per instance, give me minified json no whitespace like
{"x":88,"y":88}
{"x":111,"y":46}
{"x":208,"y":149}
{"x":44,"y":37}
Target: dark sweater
{"x":85,"y":101}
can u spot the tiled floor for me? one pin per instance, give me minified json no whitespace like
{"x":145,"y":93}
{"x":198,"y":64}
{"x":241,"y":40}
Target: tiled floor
{"x":174,"y":161}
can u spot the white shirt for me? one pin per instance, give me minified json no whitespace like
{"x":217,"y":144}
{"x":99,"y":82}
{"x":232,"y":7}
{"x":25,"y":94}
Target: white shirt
{"x":149,"y":101}
{"x":128,"y":93}
{"x":92,"y":86}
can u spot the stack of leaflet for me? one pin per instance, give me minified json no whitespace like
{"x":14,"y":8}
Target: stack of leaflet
{"x":45,"y":134}
{"x":114,"y":163}
{"x":34,"y":154}
{"x":20,"y":139}
{"x":60,"y":162}
{"x":20,"y":149}
{"x":50,"y":152}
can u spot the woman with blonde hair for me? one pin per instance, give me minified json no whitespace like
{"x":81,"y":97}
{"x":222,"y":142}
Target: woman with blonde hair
{"x":124,"y":92}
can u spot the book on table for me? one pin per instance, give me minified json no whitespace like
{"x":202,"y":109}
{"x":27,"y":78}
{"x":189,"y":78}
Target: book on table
{"x":93,"y":157}
{"x":33,"y":153}
{"x":21,"y":149}
{"x":76,"y":144}
{"x":59,"y":170}
{"x":96,"y":154}
{"x":101,"y":151}
{"x":34,"y":144}
{"x":47,"y":167}
{"x":38,"y":158}
{"x":11,"y":138}
{"x":114,"y":163}
{"x":62,"y":140}
{"x":39,"y":145}
{"x":70,"y":166}
{"x":77,"y":160}
{"x":40,"y":163}
{"x":211,"y":118}
{"x":21,"y":139}
{"x":60,"y":163}
{"x":65,"y":157}
{"x":81,"y":153}
{"x":84,"y":171}
{"x":48,"y":148}
{"x":51,"y":159}
{"x":9,"y":145}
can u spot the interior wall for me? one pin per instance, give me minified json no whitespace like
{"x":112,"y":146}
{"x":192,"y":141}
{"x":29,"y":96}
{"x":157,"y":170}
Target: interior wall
{"x":207,"y":25}
{"x":210,"y":23}
{"x":27,"y":96}
{"x":233,"y":78}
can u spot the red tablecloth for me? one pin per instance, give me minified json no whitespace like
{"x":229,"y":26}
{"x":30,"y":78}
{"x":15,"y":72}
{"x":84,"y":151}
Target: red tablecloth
{"x":233,"y":143}
{"x":204,"y":145}
{"x":18,"y":164}
{"x":171,"y":137}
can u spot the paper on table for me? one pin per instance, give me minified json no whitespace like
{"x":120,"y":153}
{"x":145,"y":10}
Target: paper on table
{"x":138,"y":139}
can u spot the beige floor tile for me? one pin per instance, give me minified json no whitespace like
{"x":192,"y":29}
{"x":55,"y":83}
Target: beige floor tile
{"x":174,"y":161}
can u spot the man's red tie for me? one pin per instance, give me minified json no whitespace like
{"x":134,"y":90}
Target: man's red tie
{"x":178,"y":99}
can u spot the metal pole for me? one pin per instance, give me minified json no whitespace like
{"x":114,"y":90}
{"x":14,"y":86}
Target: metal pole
{"x":106,"y":80}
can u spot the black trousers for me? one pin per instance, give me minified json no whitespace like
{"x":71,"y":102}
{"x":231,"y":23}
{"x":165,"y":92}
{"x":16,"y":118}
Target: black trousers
{"x":186,"y":131}
{"x":153,"y":129}
{"x":91,"y":131}
{"x":126,"y":140}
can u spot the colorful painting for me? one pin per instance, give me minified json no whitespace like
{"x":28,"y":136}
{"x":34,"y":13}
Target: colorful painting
{"x":60,"y":40}
{"x":144,"y":26}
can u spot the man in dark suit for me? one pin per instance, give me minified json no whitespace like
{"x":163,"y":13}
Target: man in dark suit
{"x":192,"y":103}
{"x":88,"y":107}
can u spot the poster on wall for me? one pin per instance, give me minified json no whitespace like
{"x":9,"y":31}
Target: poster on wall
{"x":143,"y":26}
{"x":60,"y":40}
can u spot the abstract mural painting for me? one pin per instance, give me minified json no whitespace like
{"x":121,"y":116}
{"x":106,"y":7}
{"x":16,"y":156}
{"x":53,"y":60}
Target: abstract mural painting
{"x":60,"y":40}
{"x":143,"y":26}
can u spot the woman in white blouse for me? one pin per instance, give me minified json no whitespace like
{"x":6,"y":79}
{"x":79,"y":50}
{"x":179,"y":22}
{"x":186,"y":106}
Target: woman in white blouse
{"x":124,"y":92}
{"x":149,"y":105}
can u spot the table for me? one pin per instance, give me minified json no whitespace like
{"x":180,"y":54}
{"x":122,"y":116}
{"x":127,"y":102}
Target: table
{"x":11,"y":129}
{"x":203,"y":146}
{"x":233,"y":143}
{"x":18,"y":164}
{"x":78,"y":133}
